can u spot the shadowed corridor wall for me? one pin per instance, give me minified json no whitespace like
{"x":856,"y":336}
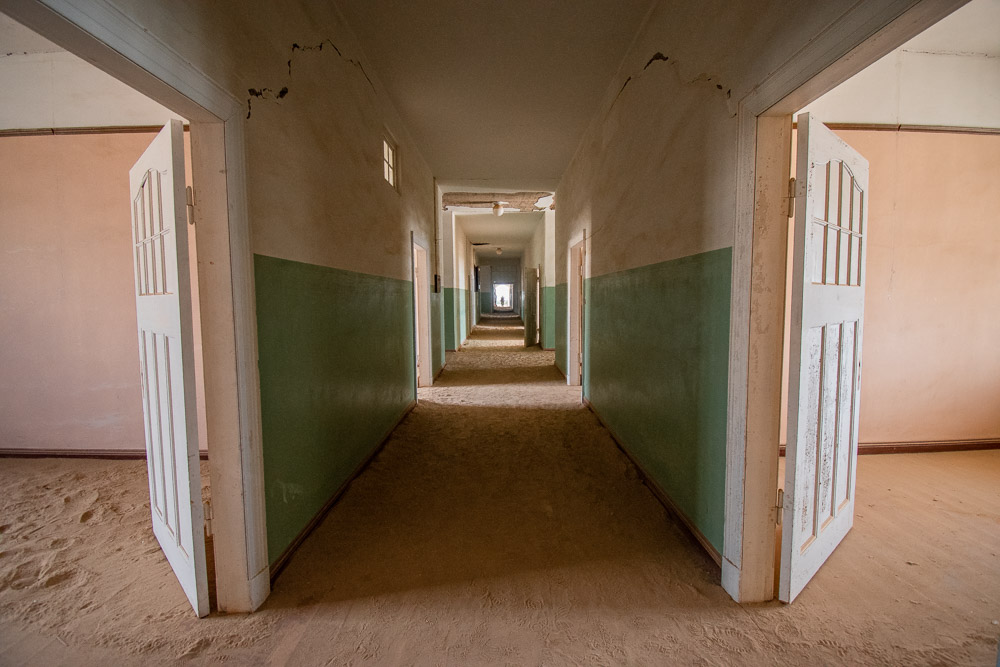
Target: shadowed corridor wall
{"x":656,"y":353}
{"x":336,"y":374}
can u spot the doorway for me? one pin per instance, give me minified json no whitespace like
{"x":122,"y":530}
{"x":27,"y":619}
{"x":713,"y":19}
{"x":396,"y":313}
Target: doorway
{"x":94,"y":32}
{"x":577,"y":279}
{"x":503,"y":297}
{"x":761,"y":238}
{"x":422,"y":316}
{"x":538,"y":305}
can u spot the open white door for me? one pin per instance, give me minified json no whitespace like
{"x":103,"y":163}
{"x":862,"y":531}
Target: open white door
{"x":166,"y":360}
{"x":528,"y":308}
{"x":828,"y":297}
{"x":421,"y":316}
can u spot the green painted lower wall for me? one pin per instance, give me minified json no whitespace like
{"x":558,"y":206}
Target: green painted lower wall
{"x":456,"y":324}
{"x":485,"y":303}
{"x":549,"y":318}
{"x":336,"y":374}
{"x":449,"y":319}
{"x":657,"y":374}
{"x":462,"y":314}
{"x":437,"y":332}
{"x":561,"y":315}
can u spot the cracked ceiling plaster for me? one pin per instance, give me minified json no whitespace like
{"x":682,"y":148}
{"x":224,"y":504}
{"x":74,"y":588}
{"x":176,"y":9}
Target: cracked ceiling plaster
{"x":515,"y":201}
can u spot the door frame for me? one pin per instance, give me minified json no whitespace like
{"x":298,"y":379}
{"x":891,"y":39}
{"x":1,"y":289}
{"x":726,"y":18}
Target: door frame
{"x":101,"y":34}
{"x":422,"y":315}
{"x":575,"y":305}
{"x":538,"y":306}
{"x":858,"y":38}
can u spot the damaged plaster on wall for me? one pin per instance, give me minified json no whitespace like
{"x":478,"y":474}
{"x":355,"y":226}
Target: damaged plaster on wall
{"x":701,"y":78}
{"x":522,"y":201}
{"x":269,"y":94}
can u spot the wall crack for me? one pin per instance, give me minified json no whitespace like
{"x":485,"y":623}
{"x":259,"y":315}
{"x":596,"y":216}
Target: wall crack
{"x":269,"y":94}
{"x":660,"y":57}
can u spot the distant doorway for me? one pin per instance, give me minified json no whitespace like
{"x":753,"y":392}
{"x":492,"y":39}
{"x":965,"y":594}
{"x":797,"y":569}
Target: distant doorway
{"x":503,"y":297}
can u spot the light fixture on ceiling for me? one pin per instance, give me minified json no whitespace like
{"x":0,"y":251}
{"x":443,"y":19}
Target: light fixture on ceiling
{"x":499,"y":251}
{"x":497,"y":209}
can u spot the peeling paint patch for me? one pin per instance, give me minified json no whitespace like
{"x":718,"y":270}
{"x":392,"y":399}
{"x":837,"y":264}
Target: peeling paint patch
{"x":660,"y":57}
{"x":656,"y":56}
{"x":264,"y":94}
{"x":620,"y":91}
{"x":268,"y":93}
{"x":319,"y":47}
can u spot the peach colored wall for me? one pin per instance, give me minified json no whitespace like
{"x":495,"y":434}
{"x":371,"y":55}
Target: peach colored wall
{"x":68,"y":351}
{"x":931,"y":365}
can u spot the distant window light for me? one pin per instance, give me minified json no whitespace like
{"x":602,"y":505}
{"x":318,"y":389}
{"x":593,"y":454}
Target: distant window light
{"x":389,"y":166}
{"x":503,"y":296}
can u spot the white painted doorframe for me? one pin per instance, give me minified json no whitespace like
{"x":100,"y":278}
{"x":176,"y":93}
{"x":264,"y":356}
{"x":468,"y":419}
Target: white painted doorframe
{"x":101,"y":34}
{"x":529,"y":305}
{"x":538,"y":305}
{"x":422,"y":316}
{"x":858,"y":38}
{"x":575,"y":288}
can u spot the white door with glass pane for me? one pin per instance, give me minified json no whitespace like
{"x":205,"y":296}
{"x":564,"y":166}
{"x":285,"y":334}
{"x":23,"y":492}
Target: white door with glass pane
{"x":827,"y":323}
{"x":166,"y":359}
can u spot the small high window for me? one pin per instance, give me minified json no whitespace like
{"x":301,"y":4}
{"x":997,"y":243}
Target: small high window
{"x":389,"y":162}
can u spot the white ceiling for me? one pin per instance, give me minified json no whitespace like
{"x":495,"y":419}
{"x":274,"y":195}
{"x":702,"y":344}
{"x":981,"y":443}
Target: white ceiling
{"x":16,"y":40}
{"x":45,"y":87}
{"x":511,"y":231}
{"x":972,"y":30}
{"x":949,"y":75}
{"x":496,"y":94}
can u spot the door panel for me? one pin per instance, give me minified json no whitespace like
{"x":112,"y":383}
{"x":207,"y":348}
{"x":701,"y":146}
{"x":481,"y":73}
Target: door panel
{"x":825,"y":360}
{"x":166,"y":359}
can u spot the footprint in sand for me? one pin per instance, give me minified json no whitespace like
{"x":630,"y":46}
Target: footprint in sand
{"x":86,"y":516}
{"x":21,"y":576}
{"x":57,"y":579}
{"x":196,"y":648}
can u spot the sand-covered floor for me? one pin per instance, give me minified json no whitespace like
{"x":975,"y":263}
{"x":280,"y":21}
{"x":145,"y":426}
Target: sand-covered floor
{"x":501,"y":525}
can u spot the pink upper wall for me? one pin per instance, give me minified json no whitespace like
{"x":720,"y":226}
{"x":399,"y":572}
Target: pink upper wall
{"x":931,"y":364}
{"x":932,"y":304}
{"x":69,"y":371}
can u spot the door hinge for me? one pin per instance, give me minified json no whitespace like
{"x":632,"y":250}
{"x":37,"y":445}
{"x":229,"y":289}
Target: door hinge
{"x":791,"y":197}
{"x":780,"y":506}
{"x":207,"y":509}
{"x":189,"y":195}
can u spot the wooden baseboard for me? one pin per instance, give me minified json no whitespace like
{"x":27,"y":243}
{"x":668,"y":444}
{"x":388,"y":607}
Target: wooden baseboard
{"x":920,"y":447}
{"x":661,"y":495}
{"x":286,"y":555}
{"x":115,"y":454}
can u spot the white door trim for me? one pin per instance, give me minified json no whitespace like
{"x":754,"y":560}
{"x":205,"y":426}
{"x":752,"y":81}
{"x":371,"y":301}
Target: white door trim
{"x":421,"y":305}
{"x":575,"y":317}
{"x":100,"y":33}
{"x":862,"y":35}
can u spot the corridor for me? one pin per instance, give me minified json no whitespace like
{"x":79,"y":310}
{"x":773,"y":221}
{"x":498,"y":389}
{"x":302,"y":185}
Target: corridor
{"x":499,"y":524}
